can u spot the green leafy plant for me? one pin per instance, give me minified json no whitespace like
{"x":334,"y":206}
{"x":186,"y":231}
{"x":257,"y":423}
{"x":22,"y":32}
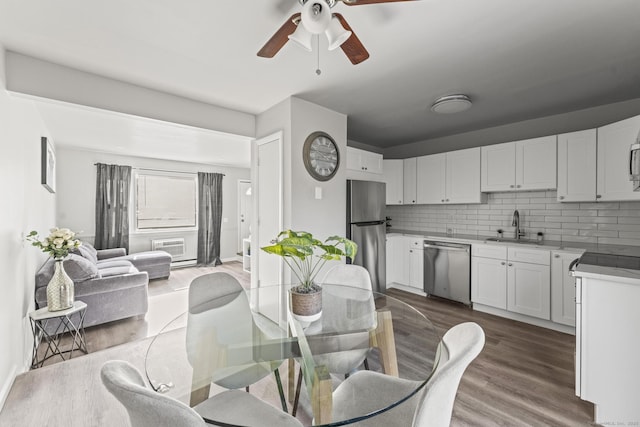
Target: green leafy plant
{"x":306,"y":255}
{"x":57,"y":244}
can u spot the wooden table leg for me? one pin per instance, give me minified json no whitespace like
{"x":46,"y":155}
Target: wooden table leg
{"x":321,"y":396}
{"x":382,"y":337}
{"x":291,"y":381}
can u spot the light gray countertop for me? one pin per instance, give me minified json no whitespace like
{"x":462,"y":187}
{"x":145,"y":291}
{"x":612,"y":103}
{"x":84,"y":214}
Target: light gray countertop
{"x":545,"y":244}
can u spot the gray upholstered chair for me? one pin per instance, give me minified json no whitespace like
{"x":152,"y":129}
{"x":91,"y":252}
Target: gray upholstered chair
{"x":146,"y":408}
{"x":363,"y":305}
{"x":367,"y":391}
{"x":214,"y":299}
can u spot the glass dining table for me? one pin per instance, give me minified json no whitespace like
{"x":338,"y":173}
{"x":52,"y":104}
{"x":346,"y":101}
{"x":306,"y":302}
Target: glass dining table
{"x":241,"y":338}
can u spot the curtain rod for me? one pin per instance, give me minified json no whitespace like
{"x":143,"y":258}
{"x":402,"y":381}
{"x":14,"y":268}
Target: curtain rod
{"x":160,"y":170}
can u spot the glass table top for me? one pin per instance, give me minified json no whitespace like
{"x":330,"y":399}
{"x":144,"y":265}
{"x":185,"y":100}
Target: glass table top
{"x":240,"y":338}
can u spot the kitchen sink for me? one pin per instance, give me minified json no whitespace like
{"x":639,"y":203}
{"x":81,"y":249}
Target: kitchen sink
{"x":505,"y":240}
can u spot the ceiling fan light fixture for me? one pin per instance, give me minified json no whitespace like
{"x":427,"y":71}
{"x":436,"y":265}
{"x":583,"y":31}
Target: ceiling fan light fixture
{"x":451,"y":104}
{"x":301,"y":37}
{"x":316,"y":16}
{"x":336,"y":34}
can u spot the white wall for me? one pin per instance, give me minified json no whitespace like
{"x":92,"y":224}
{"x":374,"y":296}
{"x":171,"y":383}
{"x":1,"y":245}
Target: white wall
{"x":76,"y":196}
{"x":26,"y":205}
{"x":297,"y":119}
{"x":37,"y":77}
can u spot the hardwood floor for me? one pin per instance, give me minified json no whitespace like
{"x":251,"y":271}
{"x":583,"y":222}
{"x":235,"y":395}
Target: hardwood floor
{"x":523,"y":376}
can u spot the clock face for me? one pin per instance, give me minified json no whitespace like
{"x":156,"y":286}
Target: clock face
{"x":321,"y":156}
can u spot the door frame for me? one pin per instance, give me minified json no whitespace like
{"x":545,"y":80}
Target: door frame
{"x":240,"y":182}
{"x":255,"y":224}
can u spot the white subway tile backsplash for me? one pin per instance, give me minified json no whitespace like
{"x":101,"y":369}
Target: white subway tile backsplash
{"x":606,"y":223}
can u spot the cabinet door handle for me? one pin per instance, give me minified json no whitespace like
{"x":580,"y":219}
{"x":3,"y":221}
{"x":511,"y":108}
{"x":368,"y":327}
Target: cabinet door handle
{"x":502,"y":263}
{"x":510,"y":265}
{"x":512,"y":186}
{"x":447,"y":200}
{"x":561,"y":197}
{"x":598,"y":196}
{"x":442,"y":200}
{"x":411,"y":250}
{"x":557,"y":256}
{"x":518,"y":186}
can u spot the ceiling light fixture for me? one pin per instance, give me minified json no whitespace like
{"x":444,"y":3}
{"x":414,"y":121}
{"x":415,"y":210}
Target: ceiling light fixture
{"x":316,"y":18}
{"x":451,"y":104}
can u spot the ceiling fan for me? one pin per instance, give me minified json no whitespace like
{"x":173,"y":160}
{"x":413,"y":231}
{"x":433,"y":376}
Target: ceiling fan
{"x":316,"y":17}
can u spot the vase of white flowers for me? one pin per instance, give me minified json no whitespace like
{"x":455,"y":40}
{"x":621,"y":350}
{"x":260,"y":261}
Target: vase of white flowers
{"x":60,"y":292}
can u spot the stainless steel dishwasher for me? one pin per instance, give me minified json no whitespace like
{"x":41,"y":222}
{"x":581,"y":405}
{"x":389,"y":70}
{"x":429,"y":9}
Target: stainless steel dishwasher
{"x":447,"y":270}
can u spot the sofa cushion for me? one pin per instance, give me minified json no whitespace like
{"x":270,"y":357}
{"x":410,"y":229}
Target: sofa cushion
{"x":108,"y":263}
{"x":117,"y":270}
{"x":87,"y":252}
{"x":79,"y":268}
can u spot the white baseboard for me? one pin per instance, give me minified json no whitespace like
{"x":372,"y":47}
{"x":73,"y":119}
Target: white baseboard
{"x":526,"y":319}
{"x":406,"y":288}
{"x":6,"y":387}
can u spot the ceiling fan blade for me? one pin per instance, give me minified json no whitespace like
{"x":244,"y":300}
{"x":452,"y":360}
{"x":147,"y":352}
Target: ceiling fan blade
{"x":353,"y":47}
{"x":361,"y":2}
{"x":280,"y":38}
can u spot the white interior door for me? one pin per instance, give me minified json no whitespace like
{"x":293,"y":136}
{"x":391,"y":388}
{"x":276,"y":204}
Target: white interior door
{"x":244,"y":211}
{"x":268,"y":218}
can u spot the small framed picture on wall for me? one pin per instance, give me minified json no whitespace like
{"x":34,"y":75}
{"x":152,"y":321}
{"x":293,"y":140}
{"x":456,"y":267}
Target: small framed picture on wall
{"x":48,"y":164}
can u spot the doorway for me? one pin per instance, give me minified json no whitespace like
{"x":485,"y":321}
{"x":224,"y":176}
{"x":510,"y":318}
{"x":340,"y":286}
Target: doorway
{"x":244,"y":211}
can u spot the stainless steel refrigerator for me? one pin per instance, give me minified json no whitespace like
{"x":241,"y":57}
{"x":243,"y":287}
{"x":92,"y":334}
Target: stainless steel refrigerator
{"x":366,"y":226}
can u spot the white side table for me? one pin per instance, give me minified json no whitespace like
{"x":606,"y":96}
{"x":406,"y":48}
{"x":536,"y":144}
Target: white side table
{"x":70,"y":320}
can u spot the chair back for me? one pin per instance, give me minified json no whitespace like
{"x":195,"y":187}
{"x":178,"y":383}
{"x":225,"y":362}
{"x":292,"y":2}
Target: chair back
{"x":459,"y":346}
{"x":350,"y":309}
{"x":146,"y":408}
{"x":220,"y":317}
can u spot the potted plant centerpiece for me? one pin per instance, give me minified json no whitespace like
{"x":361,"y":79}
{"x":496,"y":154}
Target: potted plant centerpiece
{"x":305,"y":256}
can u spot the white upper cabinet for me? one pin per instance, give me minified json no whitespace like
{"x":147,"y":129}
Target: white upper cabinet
{"x":409,"y":174}
{"x":536,"y":165}
{"x":577,"y":166}
{"x":522,"y":165}
{"x":450,"y":177}
{"x":462,"y":183}
{"x":498,"y":167}
{"x":431,"y":179}
{"x":614,"y":141}
{"x":364,"y":161}
{"x":392,"y":174}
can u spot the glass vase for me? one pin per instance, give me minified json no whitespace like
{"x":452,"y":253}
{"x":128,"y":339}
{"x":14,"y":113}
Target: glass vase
{"x":60,"y":289}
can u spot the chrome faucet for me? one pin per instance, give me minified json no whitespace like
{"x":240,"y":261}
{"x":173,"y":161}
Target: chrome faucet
{"x":516,"y":223}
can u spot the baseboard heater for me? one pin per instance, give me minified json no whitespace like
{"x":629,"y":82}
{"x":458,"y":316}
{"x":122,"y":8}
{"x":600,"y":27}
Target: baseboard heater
{"x":175,"y":247}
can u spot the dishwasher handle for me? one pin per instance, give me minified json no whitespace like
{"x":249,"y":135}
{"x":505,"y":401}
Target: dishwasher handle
{"x":446,"y":246}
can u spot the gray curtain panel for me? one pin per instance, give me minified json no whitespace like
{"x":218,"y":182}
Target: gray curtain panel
{"x":209,"y":217}
{"x":112,"y":206}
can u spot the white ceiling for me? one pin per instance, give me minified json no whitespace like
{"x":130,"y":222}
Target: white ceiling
{"x":517,"y":60}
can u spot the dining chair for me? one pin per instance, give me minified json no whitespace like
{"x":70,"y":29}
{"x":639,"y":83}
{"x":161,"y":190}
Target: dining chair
{"x":147,"y":408}
{"x":361,"y":315}
{"x":219,"y":299}
{"x":366,"y":391}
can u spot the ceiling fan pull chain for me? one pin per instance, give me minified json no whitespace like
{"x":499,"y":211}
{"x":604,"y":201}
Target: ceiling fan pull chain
{"x":318,"y":71}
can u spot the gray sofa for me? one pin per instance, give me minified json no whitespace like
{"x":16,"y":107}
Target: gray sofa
{"x":114,"y":285}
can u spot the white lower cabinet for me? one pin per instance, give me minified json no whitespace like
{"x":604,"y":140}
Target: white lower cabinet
{"x":501,"y":278}
{"x":405,"y":261}
{"x":563,"y":288}
{"x":529,"y":289}
{"x":416,"y":265}
{"x":489,"y":282}
{"x":395,"y":258}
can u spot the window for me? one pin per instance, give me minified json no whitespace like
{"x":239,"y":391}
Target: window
{"x":165,"y":200}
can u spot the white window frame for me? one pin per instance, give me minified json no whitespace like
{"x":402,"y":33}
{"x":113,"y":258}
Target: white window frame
{"x":134,"y":201}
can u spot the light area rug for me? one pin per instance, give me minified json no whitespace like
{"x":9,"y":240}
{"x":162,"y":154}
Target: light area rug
{"x":71,"y":394}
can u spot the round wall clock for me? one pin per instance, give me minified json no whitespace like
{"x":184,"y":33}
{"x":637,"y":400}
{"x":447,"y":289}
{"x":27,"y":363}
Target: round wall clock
{"x":321,"y":156}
